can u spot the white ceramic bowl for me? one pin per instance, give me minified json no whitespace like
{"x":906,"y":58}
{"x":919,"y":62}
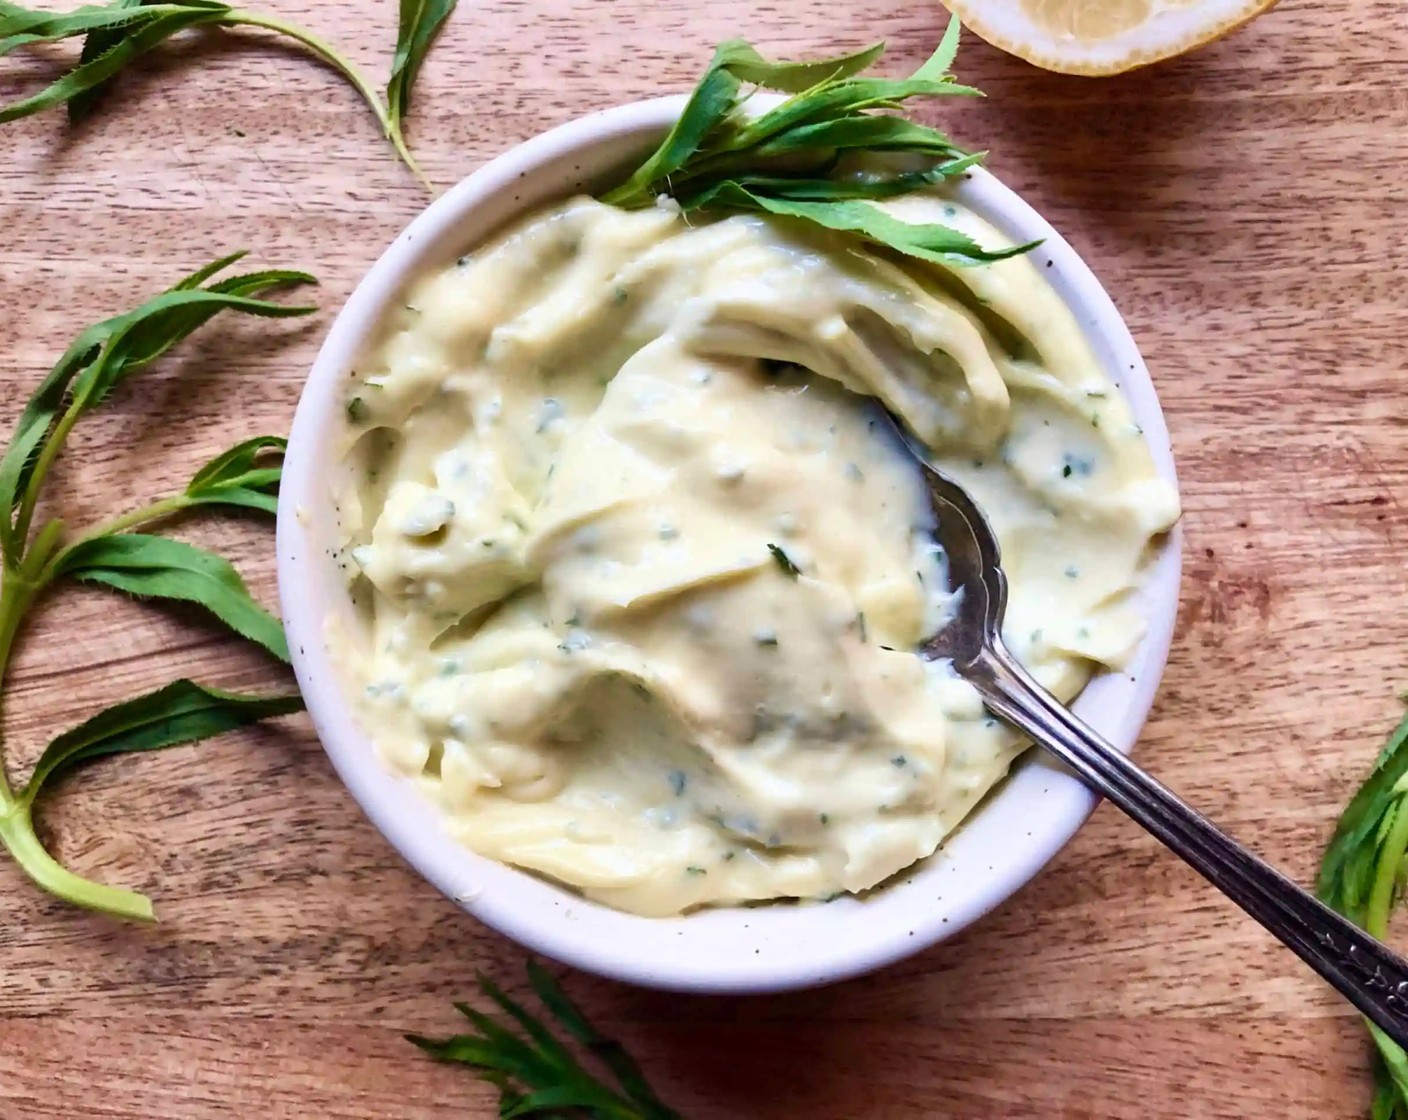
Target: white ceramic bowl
{"x":1007,"y":840}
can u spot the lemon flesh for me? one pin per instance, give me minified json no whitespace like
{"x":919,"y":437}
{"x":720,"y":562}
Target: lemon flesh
{"x":1102,"y":36}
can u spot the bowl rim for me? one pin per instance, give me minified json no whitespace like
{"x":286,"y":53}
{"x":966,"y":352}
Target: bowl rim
{"x":461,"y":874}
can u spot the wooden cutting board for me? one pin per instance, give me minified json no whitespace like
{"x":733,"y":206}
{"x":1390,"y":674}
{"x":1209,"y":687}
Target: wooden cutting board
{"x":1246,"y":207}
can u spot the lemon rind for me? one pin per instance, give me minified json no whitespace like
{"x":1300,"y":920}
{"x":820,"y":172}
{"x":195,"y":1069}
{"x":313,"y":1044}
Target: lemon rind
{"x":1086,"y":65}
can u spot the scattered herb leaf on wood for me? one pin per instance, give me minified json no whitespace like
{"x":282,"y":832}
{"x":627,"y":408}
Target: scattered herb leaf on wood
{"x":153,"y":567}
{"x":1362,"y":876}
{"x":535,"y":1071}
{"x":143,"y":564}
{"x":420,"y":21}
{"x":788,"y":160}
{"x":242,"y":476}
{"x":118,"y":33}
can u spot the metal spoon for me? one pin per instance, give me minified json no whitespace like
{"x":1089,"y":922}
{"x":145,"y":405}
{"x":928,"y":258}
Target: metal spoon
{"x":1366,"y":972}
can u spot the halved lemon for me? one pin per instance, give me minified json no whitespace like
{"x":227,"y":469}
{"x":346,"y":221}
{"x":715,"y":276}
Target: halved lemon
{"x":1102,"y":36}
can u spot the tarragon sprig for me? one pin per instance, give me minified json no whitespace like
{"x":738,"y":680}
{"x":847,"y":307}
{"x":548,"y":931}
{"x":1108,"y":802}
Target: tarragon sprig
{"x":719,"y":156}
{"x":116,"y":554}
{"x":536,"y":1073}
{"x":1362,"y":876}
{"x":117,"y":33}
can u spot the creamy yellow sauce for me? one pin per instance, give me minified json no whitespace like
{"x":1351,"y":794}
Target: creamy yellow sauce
{"x":641,"y":575}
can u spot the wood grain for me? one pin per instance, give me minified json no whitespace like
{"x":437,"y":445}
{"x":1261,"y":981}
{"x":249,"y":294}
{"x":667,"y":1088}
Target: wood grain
{"x":1247,"y":207}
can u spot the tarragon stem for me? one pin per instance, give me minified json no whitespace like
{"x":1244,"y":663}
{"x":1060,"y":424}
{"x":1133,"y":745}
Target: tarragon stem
{"x":144,"y":515}
{"x":17,"y":832}
{"x":345,"y":66}
{"x":48,"y":453}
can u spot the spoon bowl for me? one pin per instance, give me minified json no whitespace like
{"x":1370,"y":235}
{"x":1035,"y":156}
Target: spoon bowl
{"x":974,"y":564}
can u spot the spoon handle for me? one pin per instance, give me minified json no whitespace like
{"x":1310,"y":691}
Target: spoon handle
{"x":1366,"y":972}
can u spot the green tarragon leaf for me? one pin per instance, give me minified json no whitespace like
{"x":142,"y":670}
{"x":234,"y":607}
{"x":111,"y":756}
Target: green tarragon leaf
{"x":21,"y":26}
{"x":242,"y":476}
{"x":166,"y":320}
{"x":420,"y":22}
{"x":833,"y":102}
{"x":155,"y":567}
{"x":98,"y":42}
{"x":869,"y":188}
{"x":181,"y":712}
{"x":795,"y":77}
{"x":938,"y":66}
{"x":710,"y":102}
{"x":930,"y":242}
{"x":868,"y":132}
